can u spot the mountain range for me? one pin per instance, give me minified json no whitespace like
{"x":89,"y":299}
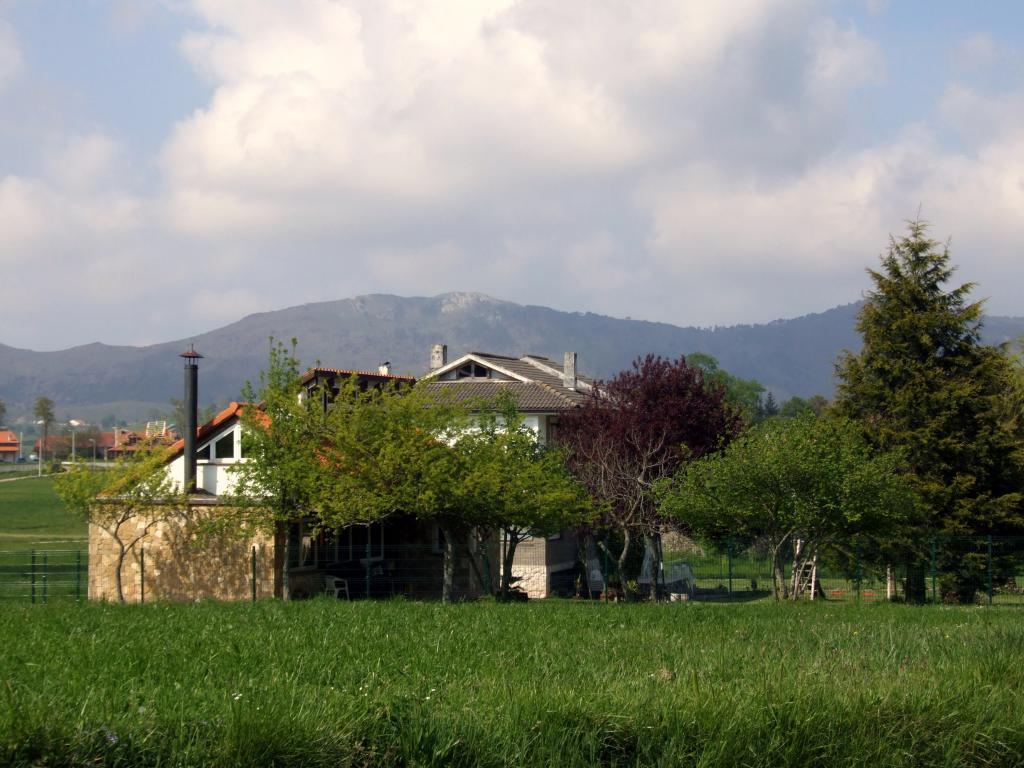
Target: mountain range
{"x":790,"y":357}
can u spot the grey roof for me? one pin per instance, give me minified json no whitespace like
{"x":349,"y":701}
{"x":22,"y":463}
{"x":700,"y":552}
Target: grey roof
{"x":542,"y":388}
{"x":529,"y":396}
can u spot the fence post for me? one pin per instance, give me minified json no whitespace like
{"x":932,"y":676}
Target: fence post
{"x":254,"y":573}
{"x":990,"y":569}
{"x":32,"y":574}
{"x":46,"y":569}
{"x":142,"y":574}
{"x":935,"y":592}
{"x":728,"y":554}
{"x":857,"y":574}
{"x":78,"y":575}
{"x":605,"y":548}
{"x":368,"y":551}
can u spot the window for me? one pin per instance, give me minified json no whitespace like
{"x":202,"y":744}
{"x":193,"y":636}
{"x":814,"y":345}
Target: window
{"x":225,"y":447}
{"x":203,"y":454}
{"x":350,"y":544}
{"x":472,"y":370}
{"x":305,"y":546}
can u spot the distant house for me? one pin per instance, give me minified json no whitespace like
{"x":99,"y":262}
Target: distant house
{"x":542,"y":390}
{"x":393,"y":557}
{"x":401,"y":555}
{"x":123,"y":442}
{"x":10,"y":446}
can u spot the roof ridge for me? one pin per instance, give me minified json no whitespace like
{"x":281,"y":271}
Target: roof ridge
{"x":354,"y":372}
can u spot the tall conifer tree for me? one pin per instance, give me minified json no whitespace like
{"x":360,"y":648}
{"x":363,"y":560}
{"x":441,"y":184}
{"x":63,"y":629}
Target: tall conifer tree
{"x":925,"y":386}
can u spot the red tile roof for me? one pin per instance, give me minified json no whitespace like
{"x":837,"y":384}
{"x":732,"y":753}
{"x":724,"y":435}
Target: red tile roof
{"x":9,"y":442}
{"x":233,"y":411}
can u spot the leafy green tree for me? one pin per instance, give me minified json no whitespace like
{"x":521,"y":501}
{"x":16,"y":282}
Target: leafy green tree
{"x":177,"y":416}
{"x":385,"y":452}
{"x":522,"y":488}
{"x":925,"y":386}
{"x":798,"y":406}
{"x":379,"y":452}
{"x":43,"y":411}
{"x":277,"y":482}
{"x":392,"y":451}
{"x":744,"y":394}
{"x":125,"y":501}
{"x":787,"y":479}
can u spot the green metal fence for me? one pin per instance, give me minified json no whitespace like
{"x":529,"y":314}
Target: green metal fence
{"x":44,"y":575}
{"x":931,"y":569}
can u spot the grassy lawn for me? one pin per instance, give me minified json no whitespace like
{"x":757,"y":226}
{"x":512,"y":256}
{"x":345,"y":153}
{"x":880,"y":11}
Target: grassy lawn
{"x":553,"y":683}
{"x":32,"y":517}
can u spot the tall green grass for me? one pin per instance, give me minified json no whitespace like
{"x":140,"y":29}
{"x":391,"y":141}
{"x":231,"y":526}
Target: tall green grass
{"x":556,"y":683}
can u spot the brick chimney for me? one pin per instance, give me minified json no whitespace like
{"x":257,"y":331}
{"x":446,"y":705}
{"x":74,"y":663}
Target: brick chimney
{"x":438,"y":356}
{"x":569,"y":371}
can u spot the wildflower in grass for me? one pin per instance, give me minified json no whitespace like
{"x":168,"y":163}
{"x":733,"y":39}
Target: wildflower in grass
{"x":236,"y":696}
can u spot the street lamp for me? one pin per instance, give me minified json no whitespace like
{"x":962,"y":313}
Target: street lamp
{"x":92,"y":442}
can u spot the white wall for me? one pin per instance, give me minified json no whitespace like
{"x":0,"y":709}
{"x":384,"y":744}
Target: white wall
{"x":211,"y":476}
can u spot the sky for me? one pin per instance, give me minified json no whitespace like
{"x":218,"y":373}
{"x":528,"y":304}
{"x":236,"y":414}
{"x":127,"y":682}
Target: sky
{"x":167,"y":167}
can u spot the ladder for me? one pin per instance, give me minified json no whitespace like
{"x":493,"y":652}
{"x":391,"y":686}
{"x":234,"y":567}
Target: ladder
{"x":805,"y":573}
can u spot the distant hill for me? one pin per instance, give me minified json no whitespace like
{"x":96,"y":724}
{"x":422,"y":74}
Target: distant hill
{"x":790,"y":357}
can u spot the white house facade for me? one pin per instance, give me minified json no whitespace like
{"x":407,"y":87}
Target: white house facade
{"x":542,"y":390}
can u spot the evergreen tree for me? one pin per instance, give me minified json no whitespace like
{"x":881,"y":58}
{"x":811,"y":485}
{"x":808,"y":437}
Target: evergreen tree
{"x":924,"y":386}
{"x":767,"y":407}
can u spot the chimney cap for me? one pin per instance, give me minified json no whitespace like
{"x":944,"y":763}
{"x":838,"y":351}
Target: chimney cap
{"x":190,"y":353}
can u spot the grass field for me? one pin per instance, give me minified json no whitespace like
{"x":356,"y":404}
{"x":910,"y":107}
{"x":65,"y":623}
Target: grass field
{"x":553,"y":683}
{"x":32,"y":517}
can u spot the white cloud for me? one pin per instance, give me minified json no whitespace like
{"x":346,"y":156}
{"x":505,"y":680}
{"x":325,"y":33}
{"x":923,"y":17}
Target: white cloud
{"x":85,"y":162}
{"x":976,"y":51}
{"x":11,"y":62}
{"x":689,"y":162}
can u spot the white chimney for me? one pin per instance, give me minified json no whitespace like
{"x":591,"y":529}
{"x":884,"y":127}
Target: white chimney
{"x":569,"y":371}
{"x":384,"y":369}
{"x":438,"y":356}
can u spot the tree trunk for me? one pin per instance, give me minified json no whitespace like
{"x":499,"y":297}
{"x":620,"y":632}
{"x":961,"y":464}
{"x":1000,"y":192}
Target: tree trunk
{"x":915,"y":587}
{"x":448,"y":582}
{"x":121,"y":553}
{"x":506,"y":563}
{"x":582,"y":551}
{"x":890,"y":583}
{"x":626,"y":541}
{"x":482,"y":579}
{"x":285,"y":581}
{"x":778,"y":573}
{"x":652,"y":543}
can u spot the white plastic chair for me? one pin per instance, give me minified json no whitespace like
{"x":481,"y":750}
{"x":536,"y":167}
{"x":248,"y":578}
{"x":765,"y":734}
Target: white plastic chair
{"x":335,"y":586}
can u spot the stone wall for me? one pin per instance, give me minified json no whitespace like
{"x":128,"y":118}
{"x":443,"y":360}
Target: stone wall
{"x":179,"y":564}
